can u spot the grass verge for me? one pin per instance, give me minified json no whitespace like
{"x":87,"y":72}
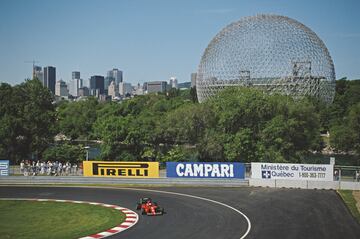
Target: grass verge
{"x":31,"y":219}
{"x":350,"y":202}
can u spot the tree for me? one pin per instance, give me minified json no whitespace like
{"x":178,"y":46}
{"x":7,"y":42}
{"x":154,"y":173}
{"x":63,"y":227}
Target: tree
{"x":345,"y":135}
{"x":257,"y":126}
{"x":241,"y":147}
{"x":187,"y":124}
{"x":65,"y":153}
{"x":193,"y":94}
{"x":75,"y":119}
{"x":27,"y":117}
{"x":211,"y":147}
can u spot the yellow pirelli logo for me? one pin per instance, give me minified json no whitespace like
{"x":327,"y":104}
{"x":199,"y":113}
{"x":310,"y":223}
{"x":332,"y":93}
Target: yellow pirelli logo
{"x":121,"y":169}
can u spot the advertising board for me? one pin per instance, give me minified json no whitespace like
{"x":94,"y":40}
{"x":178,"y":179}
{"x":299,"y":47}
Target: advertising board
{"x":205,"y":170}
{"x":315,"y":172}
{"x":121,"y":169}
{"x":4,"y":167}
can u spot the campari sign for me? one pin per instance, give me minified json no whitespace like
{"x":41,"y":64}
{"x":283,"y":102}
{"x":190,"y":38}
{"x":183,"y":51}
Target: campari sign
{"x":204,"y":170}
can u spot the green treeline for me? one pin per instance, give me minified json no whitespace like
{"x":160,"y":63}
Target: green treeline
{"x":240,"y":124}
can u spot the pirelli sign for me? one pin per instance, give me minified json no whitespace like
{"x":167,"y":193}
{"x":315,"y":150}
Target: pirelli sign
{"x":121,"y":169}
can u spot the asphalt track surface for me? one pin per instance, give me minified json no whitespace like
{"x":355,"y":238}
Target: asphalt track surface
{"x":274,"y":213}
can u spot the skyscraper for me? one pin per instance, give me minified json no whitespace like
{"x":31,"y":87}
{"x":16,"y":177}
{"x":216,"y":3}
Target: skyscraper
{"x":96,"y":85}
{"x":76,"y":75}
{"x":38,"y":73}
{"x":49,"y":78}
{"x":116,"y":75}
{"x":75,"y":84}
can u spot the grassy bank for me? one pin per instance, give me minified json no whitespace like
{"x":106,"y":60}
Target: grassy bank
{"x":29,"y":219}
{"x":348,"y":197}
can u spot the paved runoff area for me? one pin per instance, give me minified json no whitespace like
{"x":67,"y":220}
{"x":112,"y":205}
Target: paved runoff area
{"x":273,"y":213}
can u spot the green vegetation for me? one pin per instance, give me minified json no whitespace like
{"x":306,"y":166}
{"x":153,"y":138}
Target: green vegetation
{"x":350,"y":202}
{"x":241,"y":124}
{"x":27,"y":219}
{"x":27,"y":118}
{"x":344,"y":117}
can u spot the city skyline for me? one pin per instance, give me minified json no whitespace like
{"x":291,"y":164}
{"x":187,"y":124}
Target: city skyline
{"x":151,"y":41}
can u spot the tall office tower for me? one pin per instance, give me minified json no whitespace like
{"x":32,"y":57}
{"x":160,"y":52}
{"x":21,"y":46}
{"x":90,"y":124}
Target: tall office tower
{"x":74,"y":87}
{"x":107,"y":82}
{"x":75,"y":84}
{"x":61,"y":88}
{"x":156,"y":86}
{"x":193,"y":79}
{"x":115,"y":74}
{"x":38,"y":73}
{"x":125,"y":88}
{"x":96,"y":85}
{"x":173,"y":82}
{"x":49,"y":78}
{"x":113,"y":90}
{"x":76,"y":75}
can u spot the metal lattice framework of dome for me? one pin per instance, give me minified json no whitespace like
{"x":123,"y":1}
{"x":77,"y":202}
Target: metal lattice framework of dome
{"x":274,"y":53}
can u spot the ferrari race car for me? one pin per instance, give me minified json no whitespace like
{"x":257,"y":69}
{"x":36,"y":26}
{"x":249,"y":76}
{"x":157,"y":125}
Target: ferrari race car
{"x":142,"y":202}
{"x":148,"y":207}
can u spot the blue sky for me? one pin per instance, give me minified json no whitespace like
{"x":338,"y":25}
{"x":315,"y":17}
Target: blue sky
{"x":154,"y":39}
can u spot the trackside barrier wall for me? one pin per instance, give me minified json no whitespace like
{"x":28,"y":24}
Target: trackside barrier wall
{"x":291,"y":171}
{"x":205,"y":170}
{"x":4,"y":168}
{"x":306,"y":176}
{"x":279,"y":183}
{"x":323,"y":185}
{"x":121,"y":169}
{"x":350,"y":185}
{"x":283,"y":183}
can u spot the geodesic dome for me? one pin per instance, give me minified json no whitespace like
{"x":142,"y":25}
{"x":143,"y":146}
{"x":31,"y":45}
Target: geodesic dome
{"x":274,"y":53}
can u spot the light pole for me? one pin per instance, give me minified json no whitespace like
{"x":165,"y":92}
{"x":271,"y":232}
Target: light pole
{"x":87,"y":152}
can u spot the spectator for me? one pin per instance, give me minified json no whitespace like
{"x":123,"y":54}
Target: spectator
{"x":22,"y":167}
{"x":336,"y":175}
{"x":57,"y":168}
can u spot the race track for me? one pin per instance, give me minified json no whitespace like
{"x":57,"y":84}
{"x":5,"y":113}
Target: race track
{"x":274,"y":213}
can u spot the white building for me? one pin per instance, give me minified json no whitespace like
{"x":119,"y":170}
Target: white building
{"x":139,"y":90}
{"x":74,"y":86}
{"x":173,"y":82}
{"x":61,"y":88}
{"x":113,"y":90}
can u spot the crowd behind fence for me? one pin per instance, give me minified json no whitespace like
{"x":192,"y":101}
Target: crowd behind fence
{"x":48,"y":168}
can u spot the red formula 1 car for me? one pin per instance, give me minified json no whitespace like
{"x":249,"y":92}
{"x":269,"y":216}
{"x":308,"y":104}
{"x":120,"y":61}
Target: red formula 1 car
{"x":148,"y":207}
